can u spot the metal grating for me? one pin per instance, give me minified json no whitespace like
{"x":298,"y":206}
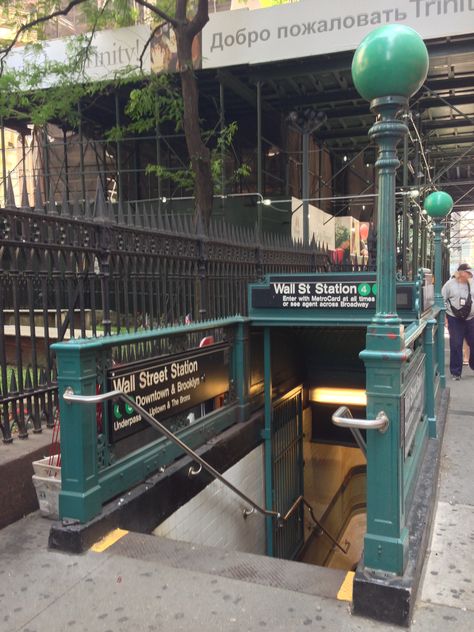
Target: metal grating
{"x":255,"y":569}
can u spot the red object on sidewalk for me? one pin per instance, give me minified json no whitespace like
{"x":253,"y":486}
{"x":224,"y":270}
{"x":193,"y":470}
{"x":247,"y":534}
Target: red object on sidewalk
{"x":207,"y":340}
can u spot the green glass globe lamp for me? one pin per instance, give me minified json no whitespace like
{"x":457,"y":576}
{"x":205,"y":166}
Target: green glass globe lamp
{"x":438,"y":204}
{"x":390,"y":61}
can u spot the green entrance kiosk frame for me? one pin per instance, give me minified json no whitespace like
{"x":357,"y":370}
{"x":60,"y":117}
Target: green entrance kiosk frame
{"x":404,"y":353}
{"x":403,"y":358}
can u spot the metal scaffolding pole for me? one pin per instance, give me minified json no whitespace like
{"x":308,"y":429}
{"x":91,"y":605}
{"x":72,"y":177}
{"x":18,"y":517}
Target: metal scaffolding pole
{"x":119,"y":153}
{"x":47,"y":175}
{"x":66,"y":163}
{"x":405,"y":218}
{"x":81,"y":154}
{"x":222,"y":127}
{"x":158,"y":151}
{"x":4,"y":161}
{"x":259,"y":156}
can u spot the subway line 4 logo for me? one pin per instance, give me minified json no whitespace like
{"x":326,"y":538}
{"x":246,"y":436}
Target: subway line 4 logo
{"x":365,"y":289}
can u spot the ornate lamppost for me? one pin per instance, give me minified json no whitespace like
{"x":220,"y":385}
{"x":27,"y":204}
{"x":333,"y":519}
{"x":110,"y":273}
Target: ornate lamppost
{"x":438,"y":204}
{"x":306,"y":123}
{"x":389,"y":66}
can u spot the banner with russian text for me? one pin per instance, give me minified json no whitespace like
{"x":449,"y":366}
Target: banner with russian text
{"x":311,"y":28}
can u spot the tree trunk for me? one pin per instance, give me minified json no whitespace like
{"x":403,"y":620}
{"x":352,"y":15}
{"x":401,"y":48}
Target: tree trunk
{"x":199,"y":154}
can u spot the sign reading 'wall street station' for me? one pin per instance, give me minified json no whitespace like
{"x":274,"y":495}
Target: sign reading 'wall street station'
{"x":165,"y":388}
{"x":354,"y":292}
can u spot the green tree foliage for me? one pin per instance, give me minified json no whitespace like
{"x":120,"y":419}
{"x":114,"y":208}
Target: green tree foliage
{"x":23,"y":93}
{"x":342,"y":235}
{"x":159,"y":101}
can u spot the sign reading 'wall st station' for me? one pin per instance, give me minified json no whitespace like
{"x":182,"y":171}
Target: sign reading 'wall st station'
{"x":166,"y":387}
{"x":321,"y":292}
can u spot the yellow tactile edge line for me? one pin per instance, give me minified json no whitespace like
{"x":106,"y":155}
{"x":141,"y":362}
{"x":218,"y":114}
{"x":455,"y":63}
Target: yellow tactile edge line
{"x":108,"y":540}
{"x":345,"y":591}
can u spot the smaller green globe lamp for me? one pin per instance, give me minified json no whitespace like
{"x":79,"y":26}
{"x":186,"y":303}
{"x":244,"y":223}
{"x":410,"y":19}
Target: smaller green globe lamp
{"x":438,"y":204}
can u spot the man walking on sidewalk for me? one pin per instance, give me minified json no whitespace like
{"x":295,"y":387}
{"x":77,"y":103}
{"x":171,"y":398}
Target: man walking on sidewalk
{"x":458,"y":294}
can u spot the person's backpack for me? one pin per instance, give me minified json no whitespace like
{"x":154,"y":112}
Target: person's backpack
{"x":465,"y":310}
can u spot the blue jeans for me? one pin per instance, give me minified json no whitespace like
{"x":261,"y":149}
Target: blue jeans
{"x":458,"y":331}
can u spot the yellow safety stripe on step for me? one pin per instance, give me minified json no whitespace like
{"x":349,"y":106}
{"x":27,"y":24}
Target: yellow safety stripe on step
{"x":345,"y":591}
{"x":108,"y":540}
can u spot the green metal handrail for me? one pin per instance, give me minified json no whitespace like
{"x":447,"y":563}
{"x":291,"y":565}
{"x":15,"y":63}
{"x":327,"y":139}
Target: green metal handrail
{"x":70,"y":397}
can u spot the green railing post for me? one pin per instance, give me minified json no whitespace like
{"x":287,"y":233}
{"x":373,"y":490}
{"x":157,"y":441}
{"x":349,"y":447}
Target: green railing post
{"x":439,"y":302}
{"x":430,"y":377}
{"x":80,"y":496}
{"x":388,"y":67}
{"x":438,"y":204}
{"x":240,"y":375}
{"x":267,"y":435}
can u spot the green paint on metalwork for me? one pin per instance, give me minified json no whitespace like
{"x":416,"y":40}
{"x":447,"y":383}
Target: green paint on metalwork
{"x":81,"y":366}
{"x":410,"y":469}
{"x":391,"y":61}
{"x":239,"y":375}
{"x":430,"y":377}
{"x":267,"y":376}
{"x":79,"y":497}
{"x":438,"y":298}
{"x":104,"y":342}
{"x":389,"y":66}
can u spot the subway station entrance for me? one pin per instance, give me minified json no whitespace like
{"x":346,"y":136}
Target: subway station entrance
{"x":323,"y":320}
{"x":278,"y":410}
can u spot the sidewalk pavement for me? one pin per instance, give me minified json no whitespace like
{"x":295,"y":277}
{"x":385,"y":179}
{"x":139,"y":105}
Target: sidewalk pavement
{"x":50,"y":591}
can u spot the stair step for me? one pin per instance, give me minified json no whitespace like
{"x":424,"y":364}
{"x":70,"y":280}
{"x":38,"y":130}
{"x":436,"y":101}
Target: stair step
{"x":246,"y":567}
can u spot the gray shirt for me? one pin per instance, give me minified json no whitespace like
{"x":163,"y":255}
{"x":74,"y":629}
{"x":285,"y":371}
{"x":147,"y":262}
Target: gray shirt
{"x":457,"y":293}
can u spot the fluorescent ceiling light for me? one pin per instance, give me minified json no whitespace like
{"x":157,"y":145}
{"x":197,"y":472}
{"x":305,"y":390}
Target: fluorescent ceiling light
{"x":341,"y":396}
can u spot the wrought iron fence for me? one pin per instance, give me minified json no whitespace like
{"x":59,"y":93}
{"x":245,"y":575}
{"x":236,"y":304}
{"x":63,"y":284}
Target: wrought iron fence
{"x":75,"y":270}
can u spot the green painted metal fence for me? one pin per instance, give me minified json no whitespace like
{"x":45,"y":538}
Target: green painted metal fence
{"x":287,"y":472}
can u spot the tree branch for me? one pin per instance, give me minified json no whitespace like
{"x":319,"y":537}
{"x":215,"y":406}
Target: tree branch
{"x":25,"y":27}
{"x":147,"y":43}
{"x":201,"y":18}
{"x":154,"y":9}
{"x":85,"y":52}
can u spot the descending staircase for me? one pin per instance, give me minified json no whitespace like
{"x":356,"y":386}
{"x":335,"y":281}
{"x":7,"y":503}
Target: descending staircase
{"x":245,"y":567}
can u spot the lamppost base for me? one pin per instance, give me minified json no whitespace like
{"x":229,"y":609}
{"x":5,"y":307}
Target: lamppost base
{"x":382,"y":595}
{"x":387,"y":537}
{"x":388,"y":553}
{"x":384,"y":335}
